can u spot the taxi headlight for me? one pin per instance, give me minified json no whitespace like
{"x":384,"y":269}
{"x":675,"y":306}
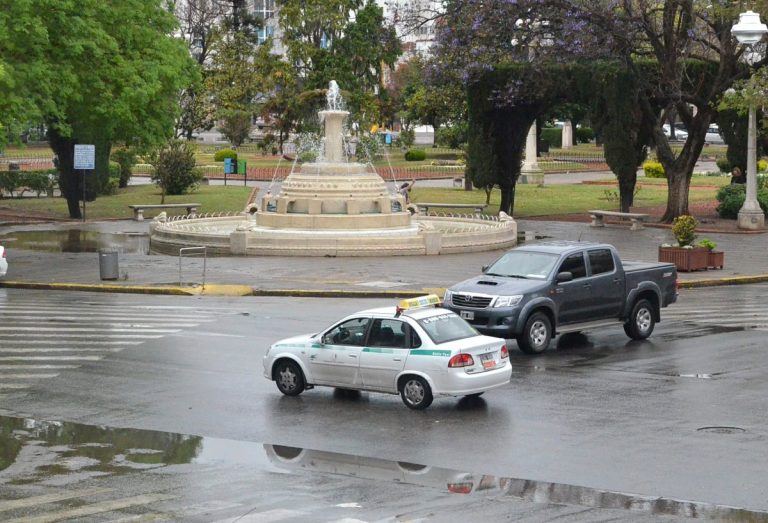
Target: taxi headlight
{"x":507,"y":301}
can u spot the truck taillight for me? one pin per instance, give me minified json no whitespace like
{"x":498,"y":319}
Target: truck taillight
{"x":504,"y":352}
{"x":461,"y":360}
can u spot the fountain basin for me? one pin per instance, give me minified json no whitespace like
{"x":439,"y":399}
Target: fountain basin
{"x":426,"y":235}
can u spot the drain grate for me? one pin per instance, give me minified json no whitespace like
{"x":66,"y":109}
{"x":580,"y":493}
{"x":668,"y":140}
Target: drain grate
{"x":720,"y":429}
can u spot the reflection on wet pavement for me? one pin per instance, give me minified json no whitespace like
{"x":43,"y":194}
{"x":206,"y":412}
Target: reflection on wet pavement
{"x":58,"y":454}
{"x":76,"y":240}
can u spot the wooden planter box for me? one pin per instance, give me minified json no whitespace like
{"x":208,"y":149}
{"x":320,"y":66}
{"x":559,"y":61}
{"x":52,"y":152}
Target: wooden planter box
{"x":715,"y":259}
{"x":685,"y":260}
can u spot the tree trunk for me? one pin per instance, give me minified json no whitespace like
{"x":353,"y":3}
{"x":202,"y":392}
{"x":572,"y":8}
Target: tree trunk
{"x":678,"y":184}
{"x":70,"y":182}
{"x":627,"y":191}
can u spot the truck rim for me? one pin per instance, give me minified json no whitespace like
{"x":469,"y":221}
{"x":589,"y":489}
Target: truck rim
{"x":643,"y":319}
{"x":538,"y":333}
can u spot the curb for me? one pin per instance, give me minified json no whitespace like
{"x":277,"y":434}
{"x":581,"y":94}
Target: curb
{"x":221,"y":290}
{"x":716,"y":282}
{"x":215,"y":289}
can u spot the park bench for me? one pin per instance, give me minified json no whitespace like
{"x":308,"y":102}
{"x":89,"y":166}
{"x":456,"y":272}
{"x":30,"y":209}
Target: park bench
{"x":424,"y":207}
{"x":636,"y":218}
{"x":138,"y":210}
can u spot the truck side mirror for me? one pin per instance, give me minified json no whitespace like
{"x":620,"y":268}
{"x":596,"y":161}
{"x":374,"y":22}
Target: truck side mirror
{"x":485,"y":268}
{"x":563,"y":277}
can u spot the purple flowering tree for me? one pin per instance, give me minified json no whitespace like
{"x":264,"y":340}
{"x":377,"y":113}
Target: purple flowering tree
{"x":694,"y":58}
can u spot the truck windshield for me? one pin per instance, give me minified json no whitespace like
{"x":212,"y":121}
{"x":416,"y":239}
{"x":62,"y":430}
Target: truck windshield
{"x":524,"y":264}
{"x":447,"y":327}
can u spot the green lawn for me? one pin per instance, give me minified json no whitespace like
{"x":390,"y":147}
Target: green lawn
{"x":530,"y":200}
{"x":212,"y":199}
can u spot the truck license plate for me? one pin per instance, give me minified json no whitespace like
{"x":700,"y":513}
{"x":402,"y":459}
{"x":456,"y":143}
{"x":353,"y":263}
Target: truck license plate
{"x":467,"y":315}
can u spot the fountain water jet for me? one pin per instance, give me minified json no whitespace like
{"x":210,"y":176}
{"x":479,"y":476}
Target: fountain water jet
{"x":333,"y":207}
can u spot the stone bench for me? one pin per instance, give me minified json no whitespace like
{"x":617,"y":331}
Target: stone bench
{"x":424,"y":207}
{"x":138,"y":210}
{"x":636,"y":218}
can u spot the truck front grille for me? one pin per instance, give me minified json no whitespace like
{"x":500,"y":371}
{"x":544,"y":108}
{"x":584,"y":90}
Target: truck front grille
{"x":471,"y":300}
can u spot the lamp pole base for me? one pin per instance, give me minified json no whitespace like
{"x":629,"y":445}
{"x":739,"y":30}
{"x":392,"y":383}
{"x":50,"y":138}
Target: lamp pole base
{"x":752,"y":220}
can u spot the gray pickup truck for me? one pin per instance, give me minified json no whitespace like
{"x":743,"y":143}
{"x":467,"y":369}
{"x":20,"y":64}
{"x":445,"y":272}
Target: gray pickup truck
{"x":535,"y":292}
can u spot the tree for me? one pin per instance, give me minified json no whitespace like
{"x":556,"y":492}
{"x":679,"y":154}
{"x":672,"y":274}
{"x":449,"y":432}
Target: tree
{"x":343,"y":40}
{"x":96,"y":72}
{"x":696,"y":58}
{"x":175,"y":171}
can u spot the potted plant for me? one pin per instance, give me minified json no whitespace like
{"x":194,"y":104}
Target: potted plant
{"x":686,"y":256}
{"x":715,"y":259}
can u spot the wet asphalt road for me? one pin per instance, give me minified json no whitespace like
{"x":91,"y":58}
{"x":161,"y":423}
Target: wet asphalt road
{"x":680,"y":416}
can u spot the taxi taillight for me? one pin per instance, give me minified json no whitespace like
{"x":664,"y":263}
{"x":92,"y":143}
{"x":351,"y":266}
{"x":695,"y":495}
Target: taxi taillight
{"x":504,"y":352}
{"x":461,"y":360}
{"x":460,"y":488}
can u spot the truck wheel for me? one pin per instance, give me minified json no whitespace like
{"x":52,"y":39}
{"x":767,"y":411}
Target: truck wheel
{"x":536,"y":335}
{"x":641,"y":322}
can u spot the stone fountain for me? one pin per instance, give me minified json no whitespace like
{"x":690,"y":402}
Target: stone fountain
{"x":333,"y":207}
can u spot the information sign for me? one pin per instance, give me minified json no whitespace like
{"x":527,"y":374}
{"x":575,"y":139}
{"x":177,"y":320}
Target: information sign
{"x":85,"y":157}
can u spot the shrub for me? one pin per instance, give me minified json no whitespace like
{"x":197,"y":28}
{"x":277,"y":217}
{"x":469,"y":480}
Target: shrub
{"x":406,"y":138}
{"x":452,"y":136}
{"x":307,"y":156}
{"x":731,"y":198}
{"x":584,"y":134}
{"x":762,"y":165}
{"x":175,"y":171}
{"x":552,"y":136}
{"x":267,"y":143}
{"x":415,"y":155}
{"x":224,"y":153}
{"x":126,"y":158}
{"x":368,"y":148}
{"x":723,"y":164}
{"x":684,"y":229}
{"x":707,"y":244}
{"x":39,"y":181}
{"x":654,"y":170}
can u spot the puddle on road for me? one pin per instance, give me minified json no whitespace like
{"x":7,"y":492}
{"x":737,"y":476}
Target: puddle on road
{"x":33,"y":451}
{"x":76,"y":240}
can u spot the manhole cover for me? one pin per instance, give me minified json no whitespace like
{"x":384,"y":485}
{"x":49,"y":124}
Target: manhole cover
{"x":721,"y":430}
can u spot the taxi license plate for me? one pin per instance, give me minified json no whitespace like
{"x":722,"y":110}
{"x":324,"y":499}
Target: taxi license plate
{"x":488,"y":361}
{"x":467,"y":315}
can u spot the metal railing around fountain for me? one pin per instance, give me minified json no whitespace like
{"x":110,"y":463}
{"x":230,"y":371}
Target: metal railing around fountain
{"x":191,"y":251}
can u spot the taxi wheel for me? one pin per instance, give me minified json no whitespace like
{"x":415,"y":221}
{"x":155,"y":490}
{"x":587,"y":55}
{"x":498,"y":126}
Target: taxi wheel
{"x":289,"y":378}
{"x":536,"y":335}
{"x":416,"y":393}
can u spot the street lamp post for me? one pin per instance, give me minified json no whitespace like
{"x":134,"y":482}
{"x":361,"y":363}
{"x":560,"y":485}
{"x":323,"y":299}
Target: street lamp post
{"x":750,"y":31}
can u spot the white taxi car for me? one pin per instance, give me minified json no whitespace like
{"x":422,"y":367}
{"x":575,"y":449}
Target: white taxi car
{"x":417,"y":350}
{"x":3,"y":262}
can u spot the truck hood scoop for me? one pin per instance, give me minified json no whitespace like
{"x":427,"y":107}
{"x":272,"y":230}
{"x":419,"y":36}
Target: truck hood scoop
{"x":487,"y":282}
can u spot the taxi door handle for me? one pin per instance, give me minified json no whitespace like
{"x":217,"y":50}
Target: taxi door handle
{"x":397,"y":359}
{"x":353,"y":355}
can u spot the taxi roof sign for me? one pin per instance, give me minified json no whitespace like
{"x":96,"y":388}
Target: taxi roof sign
{"x":422,"y":301}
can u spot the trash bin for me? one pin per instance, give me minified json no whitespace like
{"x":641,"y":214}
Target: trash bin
{"x":108,"y":267}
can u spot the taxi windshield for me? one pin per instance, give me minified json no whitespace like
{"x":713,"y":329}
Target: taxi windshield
{"x":447,"y":327}
{"x":523,"y":264}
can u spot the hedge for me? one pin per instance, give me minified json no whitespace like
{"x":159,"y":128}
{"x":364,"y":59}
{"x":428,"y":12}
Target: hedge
{"x":19,"y":182}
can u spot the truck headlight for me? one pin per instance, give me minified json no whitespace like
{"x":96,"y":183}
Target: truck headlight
{"x":507,"y":301}
{"x":447,"y":298}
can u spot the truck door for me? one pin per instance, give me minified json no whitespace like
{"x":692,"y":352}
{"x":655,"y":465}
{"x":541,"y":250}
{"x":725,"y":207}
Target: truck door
{"x":573,"y":297}
{"x":607,"y":284}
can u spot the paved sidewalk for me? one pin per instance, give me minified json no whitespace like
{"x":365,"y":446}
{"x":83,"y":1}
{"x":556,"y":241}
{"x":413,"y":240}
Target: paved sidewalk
{"x":746,"y":261}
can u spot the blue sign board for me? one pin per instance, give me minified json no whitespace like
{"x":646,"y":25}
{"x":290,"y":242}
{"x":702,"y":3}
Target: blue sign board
{"x":388,"y":139}
{"x":85,"y":157}
{"x":229,"y":165}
